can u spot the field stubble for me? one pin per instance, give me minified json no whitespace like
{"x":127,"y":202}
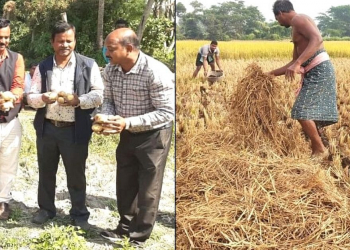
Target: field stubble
{"x":244,"y":177}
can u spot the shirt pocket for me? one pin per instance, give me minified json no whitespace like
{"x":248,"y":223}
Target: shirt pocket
{"x":140,"y":93}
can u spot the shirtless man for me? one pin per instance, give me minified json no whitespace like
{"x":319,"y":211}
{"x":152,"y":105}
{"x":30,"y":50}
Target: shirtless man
{"x":205,"y":56}
{"x":315,"y":105}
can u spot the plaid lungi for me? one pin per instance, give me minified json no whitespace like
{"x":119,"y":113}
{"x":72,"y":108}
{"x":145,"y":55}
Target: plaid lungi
{"x":317,"y":98}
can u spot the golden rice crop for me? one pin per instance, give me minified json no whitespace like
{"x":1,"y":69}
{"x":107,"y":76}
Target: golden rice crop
{"x":244,"y":175}
{"x":255,"y":49}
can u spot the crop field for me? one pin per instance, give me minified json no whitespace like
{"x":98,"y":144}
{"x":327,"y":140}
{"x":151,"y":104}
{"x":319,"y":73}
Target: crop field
{"x":254,"y":49}
{"x":244,"y":175}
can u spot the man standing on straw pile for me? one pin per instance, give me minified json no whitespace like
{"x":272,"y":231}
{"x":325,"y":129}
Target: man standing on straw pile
{"x":315,"y":105}
{"x":205,"y":56}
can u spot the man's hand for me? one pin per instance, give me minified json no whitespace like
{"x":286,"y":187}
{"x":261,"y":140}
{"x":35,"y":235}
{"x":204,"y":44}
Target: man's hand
{"x":269,"y":73}
{"x":68,"y":100}
{"x":8,"y":96}
{"x":108,"y":124}
{"x":6,"y":105}
{"x":205,"y":73}
{"x":117,"y":122}
{"x":291,"y":71}
{"x":46,"y":98}
{"x":72,"y":100}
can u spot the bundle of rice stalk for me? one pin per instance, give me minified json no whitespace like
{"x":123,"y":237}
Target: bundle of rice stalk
{"x":256,"y":112}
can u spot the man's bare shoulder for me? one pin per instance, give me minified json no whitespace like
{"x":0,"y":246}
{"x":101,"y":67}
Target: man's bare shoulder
{"x":302,"y":20}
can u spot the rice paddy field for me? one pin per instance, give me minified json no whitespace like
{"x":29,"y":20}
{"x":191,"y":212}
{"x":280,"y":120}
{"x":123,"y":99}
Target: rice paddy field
{"x":244,"y":175}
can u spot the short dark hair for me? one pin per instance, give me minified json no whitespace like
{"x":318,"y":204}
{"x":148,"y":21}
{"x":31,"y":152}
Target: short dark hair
{"x":4,"y":23}
{"x":214,"y":42}
{"x":33,"y":64}
{"x":131,"y":39}
{"x":60,"y":27}
{"x":121,"y":23}
{"x":282,"y":6}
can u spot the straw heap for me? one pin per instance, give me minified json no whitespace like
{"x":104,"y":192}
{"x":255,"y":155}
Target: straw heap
{"x":256,"y":110}
{"x":242,"y":187}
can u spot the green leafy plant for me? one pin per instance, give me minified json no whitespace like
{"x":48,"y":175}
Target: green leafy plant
{"x":59,"y":237}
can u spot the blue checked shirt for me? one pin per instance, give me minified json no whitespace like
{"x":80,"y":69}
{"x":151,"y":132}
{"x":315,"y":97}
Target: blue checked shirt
{"x":144,"y":96}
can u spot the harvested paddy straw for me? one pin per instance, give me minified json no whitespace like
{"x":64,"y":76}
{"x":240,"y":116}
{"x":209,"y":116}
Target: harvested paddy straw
{"x":232,"y":194}
{"x":257,"y":113}
{"x":229,"y":200}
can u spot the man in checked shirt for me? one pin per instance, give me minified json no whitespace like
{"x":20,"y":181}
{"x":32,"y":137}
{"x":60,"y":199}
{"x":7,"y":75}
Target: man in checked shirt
{"x":12,"y":83}
{"x":64,"y":129}
{"x":139,"y":99}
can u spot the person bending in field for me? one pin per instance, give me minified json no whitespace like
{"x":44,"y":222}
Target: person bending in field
{"x":206,"y":56}
{"x":315,"y":106}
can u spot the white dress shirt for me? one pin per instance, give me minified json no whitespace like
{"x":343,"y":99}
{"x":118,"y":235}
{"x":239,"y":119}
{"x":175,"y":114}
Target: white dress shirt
{"x":62,"y":79}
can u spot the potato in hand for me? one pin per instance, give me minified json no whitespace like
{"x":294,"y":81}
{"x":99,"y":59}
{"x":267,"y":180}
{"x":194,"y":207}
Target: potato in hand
{"x":101,"y":125}
{"x":101,"y":118}
{"x":6,"y":106}
{"x":7,"y":96}
{"x":7,"y":100}
{"x":64,"y":97}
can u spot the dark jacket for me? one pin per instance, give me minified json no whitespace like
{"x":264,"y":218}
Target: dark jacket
{"x":7,"y":71}
{"x":82,"y":85}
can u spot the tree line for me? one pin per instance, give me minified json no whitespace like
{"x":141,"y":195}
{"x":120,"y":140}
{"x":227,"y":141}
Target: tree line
{"x":233,"y":20}
{"x":32,"y":21}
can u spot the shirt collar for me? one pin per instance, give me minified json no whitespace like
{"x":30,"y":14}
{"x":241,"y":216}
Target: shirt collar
{"x":4,"y":55}
{"x":140,"y":62}
{"x":70,"y":62}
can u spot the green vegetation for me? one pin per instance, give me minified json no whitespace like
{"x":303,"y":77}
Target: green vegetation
{"x":31,"y":23}
{"x":234,"y":20}
{"x":59,"y":237}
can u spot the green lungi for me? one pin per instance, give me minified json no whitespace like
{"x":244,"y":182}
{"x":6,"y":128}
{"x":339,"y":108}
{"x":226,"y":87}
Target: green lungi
{"x":317,"y":99}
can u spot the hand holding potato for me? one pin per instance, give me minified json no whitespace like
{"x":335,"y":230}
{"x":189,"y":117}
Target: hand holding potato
{"x":49,"y":97}
{"x":6,"y":106}
{"x":62,"y":98}
{"x":65,"y":99}
{"x":117,"y":122}
{"x":7,"y":101}
{"x":108,"y":124}
{"x":7,"y":96}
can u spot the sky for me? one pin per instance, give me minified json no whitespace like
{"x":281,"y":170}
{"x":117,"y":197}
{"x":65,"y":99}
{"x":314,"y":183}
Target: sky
{"x":311,"y":8}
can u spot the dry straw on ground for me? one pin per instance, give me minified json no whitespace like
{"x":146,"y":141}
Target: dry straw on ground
{"x":251,"y":184}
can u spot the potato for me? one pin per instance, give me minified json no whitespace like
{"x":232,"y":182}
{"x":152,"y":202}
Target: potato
{"x":7,"y":106}
{"x":62,"y":94}
{"x":61,"y":100}
{"x":7,"y":96}
{"x":97,"y":127}
{"x":101,"y":118}
{"x":70,"y":97}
